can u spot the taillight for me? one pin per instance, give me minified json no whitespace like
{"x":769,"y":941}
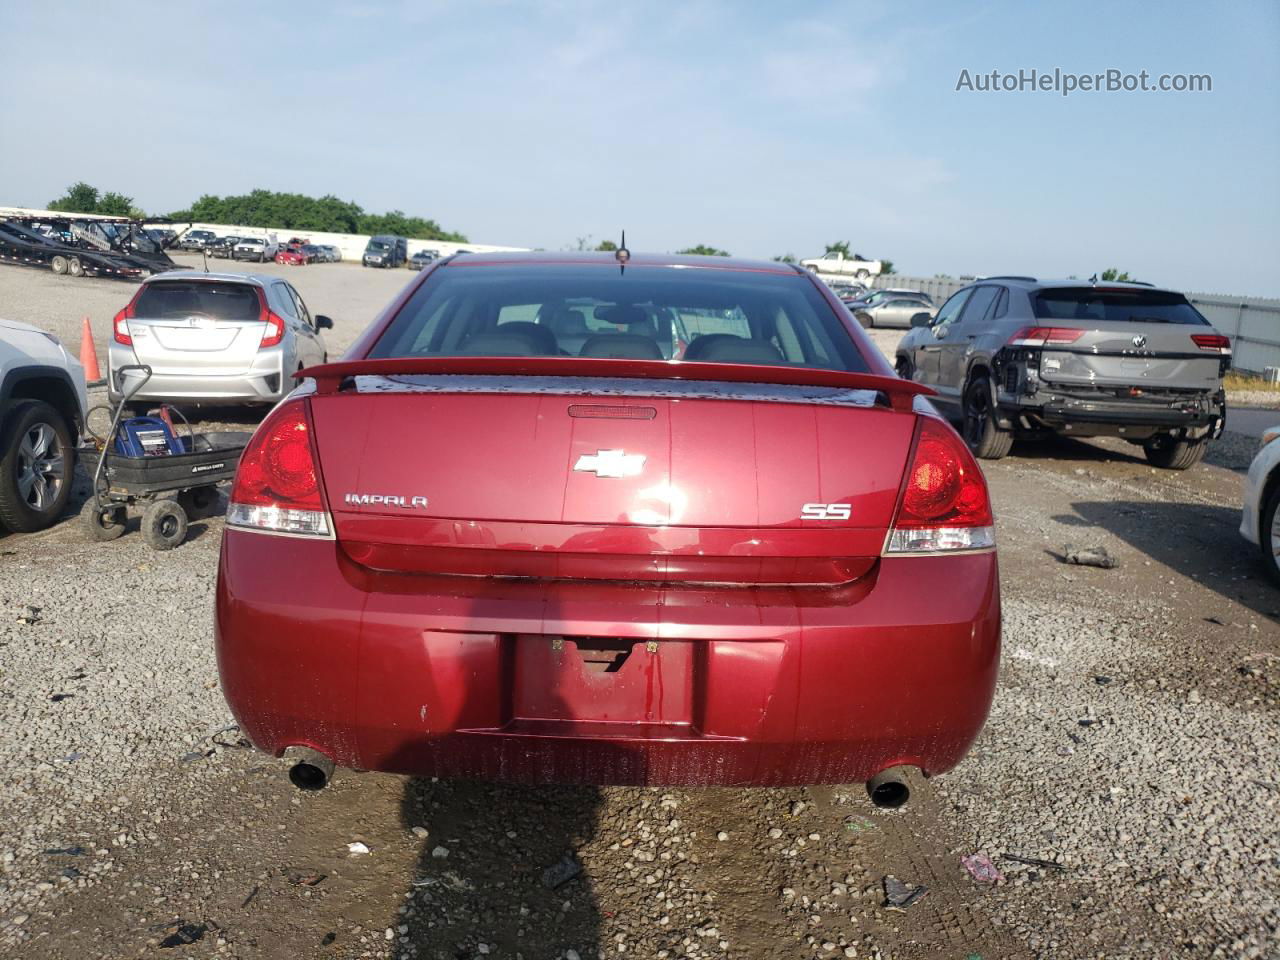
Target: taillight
{"x":277,"y":486}
{"x":274,"y":332}
{"x":944,"y":504}
{"x":1213,"y":342}
{"x":1045,"y":336}
{"x":120,"y":327}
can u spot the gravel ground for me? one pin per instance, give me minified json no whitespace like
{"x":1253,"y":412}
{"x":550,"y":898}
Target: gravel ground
{"x":1132,"y":748}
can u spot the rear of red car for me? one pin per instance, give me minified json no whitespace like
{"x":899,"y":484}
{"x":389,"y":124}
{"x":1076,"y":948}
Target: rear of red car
{"x":511,"y":537}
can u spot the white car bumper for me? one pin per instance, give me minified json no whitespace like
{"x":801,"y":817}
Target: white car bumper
{"x":1267,"y":461}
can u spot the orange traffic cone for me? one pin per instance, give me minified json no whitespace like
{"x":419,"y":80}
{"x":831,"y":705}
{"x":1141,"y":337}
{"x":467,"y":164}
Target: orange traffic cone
{"x":89,"y":355}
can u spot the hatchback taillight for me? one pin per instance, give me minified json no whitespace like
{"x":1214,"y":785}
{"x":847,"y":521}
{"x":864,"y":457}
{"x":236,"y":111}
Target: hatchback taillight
{"x":120,"y":328}
{"x":1045,"y":336}
{"x":275,"y":329}
{"x":1212,"y":342}
{"x":944,"y":504}
{"x":120,"y":325}
{"x":277,"y":486}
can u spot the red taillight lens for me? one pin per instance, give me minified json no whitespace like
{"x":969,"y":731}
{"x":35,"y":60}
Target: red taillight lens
{"x":274,"y":332}
{"x":277,"y":485}
{"x":1045,"y":336}
{"x":1214,"y":342}
{"x":944,"y":503}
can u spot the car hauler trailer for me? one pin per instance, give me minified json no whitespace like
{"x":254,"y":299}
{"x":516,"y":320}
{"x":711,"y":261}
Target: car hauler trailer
{"x":83,"y":246}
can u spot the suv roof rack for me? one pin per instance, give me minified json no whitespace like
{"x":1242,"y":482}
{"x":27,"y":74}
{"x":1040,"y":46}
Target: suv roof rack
{"x":1012,"y":276}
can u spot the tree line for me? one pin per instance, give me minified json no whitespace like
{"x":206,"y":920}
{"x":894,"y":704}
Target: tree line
{"x":265,"y":208}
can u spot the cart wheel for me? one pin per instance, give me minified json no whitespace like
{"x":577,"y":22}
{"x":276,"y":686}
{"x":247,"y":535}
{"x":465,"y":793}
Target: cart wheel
{"x":164,"y":525}
{"x":75,"y":267}
{"x":199,"y":502}
{"x":101,"y":525}
{"x":58,"y":265}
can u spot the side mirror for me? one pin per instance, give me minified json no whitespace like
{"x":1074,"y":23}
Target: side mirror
{"x":921,"y":319}
{"x":323,"y":322}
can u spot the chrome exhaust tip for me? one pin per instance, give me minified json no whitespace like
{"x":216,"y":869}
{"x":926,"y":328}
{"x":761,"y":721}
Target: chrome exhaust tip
{"x":308,"y":769}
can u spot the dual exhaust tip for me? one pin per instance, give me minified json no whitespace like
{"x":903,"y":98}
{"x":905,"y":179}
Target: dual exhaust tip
{"x":311,"y":770}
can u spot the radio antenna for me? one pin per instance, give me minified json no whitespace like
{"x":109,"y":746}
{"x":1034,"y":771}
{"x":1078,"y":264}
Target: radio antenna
{"x":622,"y":254}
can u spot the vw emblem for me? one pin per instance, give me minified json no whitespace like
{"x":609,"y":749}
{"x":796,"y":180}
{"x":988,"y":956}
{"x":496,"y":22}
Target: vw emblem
{"x":1139,"y":341}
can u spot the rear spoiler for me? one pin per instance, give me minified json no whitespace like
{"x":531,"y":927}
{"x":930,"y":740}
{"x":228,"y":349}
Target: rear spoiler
{"x":329,"y":377}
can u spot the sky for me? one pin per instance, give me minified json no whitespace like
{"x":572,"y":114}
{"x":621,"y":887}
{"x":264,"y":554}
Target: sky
{"x":759,"y":128}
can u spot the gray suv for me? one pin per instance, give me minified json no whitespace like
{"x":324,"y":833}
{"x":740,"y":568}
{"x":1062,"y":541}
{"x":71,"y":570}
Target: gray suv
{"x":1015,"y":355}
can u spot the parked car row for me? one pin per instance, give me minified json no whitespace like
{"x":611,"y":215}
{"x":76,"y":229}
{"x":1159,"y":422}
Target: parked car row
{"x":381,"y":251}
{"x":260,"y":249}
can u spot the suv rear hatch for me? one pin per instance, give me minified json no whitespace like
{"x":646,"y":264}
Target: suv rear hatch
{"x":1151,"y":339}
{"x":190,"y":326}
{"x":555,"y":477}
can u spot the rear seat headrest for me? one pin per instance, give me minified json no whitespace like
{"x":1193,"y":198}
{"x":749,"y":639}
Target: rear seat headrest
{"x":727,"y":348}
{"x":621,"y":346}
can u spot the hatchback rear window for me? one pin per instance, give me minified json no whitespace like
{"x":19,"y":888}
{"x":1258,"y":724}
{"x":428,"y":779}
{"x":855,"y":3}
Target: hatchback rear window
{"x":644,"y":313}
{"x":1115,"y":306}
{"x":174,"y":299}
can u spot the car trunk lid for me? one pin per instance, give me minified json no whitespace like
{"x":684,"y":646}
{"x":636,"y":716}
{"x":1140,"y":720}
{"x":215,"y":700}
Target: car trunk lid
{"x":618,"y":480}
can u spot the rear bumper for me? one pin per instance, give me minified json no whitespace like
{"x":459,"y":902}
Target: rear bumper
{"x":262,"y":383}
{"x":1207,"y":411}
{"x":473,"y":677}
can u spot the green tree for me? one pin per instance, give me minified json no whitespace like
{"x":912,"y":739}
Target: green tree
{"x":116,"y":205}
{"x":785,"y":258}
{"x":606,"y":246}
{"x":1111,"y":273}
{"x":886,"y":266}
{"x":79,"y":198}
{"x":298,"y":212}
{"x":841,"y":247}
{"x":702,"y":250}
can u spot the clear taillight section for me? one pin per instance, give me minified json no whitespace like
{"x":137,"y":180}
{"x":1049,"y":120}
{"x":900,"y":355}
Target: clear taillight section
{"x":944,"y":504}
{"x":277,"y":486}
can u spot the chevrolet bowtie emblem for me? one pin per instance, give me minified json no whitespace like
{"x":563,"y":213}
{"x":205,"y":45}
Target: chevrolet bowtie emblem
{"x":611,"y":463}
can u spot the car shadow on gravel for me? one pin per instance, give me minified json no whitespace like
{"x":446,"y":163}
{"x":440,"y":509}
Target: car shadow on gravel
{"x":511,"y":883}
{"x":1056,"y":447}
{"x":1196,"y":540}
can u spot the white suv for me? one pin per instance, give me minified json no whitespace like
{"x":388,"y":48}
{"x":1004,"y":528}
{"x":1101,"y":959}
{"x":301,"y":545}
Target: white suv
{"x":42,"y":412}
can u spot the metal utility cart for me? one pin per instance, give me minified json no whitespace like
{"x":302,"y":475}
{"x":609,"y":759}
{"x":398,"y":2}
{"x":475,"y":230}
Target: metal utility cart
{"x":173,"y":479}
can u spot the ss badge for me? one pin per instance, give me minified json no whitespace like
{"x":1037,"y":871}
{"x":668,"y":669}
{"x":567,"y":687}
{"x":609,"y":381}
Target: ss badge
{"x":826,"y":511}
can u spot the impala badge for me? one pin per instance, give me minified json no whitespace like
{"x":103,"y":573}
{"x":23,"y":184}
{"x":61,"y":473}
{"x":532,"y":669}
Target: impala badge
{"x":384,"y":500}
{"x":611,"y":463}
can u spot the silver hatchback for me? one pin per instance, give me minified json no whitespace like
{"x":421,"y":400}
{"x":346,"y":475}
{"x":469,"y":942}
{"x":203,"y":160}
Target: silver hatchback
{"x":215,"y":338}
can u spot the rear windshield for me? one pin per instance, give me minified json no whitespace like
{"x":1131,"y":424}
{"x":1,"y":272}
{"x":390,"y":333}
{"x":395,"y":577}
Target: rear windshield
{"x":174,"y":299}
{"x":1115,"y":306}
{"x":646,"y":313}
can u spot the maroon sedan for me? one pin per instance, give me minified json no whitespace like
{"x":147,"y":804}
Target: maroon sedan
{"x":510,"y":536}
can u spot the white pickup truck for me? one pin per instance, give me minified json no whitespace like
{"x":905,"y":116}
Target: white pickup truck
{"x":836,"y":262}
